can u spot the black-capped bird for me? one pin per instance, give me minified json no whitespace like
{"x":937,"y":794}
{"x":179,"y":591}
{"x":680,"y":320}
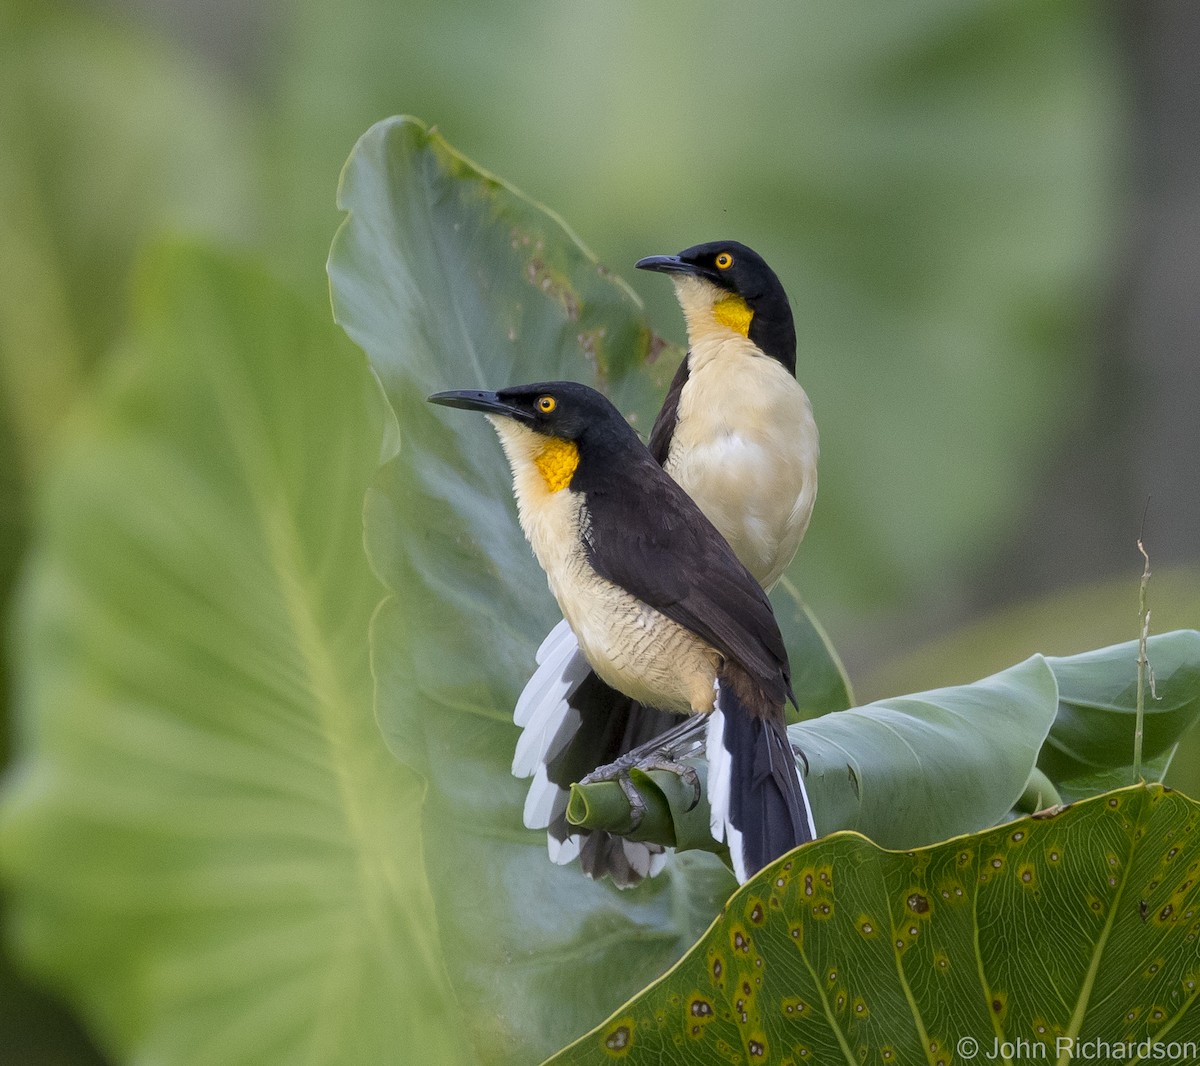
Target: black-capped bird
{"x":736,"y":431}
{"x":659,"y":604}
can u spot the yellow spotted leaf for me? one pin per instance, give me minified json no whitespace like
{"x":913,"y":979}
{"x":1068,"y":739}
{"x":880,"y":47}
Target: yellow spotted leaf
{"x":1055,"y":937}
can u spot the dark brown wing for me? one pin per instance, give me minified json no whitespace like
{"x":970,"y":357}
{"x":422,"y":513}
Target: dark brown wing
{"x":646,"y":535}
{"x":668,"y":415}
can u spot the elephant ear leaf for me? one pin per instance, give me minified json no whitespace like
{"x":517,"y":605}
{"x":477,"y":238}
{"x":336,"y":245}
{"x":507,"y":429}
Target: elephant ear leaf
{"x":1061,"y":930}
{"x":449,"y":278}
{"x":1090,"y":746}
{"x":207,"y":846}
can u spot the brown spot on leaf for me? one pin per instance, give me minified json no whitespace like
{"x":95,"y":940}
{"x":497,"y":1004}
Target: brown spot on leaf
{"x":619,"y":1040}
{"x":539,"y":275}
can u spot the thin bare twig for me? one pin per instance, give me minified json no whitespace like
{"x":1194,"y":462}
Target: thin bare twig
{"x":1144,"y":670}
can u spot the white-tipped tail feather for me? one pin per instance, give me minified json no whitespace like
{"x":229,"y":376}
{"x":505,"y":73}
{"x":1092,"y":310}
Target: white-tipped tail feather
{"x":720,"y":769}
{"x":757,"y":800}
{"x":553,"y":656}
{"x":768,"y":815}
{"x":563,"y":852}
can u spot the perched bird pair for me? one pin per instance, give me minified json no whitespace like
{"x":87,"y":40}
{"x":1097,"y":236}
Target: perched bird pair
{"x":658,"y":557}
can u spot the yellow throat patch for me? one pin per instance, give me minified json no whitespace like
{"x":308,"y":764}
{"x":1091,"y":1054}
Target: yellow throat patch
{"x":734,"y":312}
{"x":556,"y":462}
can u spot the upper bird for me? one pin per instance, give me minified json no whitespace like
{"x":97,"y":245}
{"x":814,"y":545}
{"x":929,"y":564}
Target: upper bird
{"x":736,"y":431}
{"x":660,"y":606}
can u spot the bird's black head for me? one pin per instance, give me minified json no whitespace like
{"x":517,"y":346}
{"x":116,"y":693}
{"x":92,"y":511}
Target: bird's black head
{"x":566,"y":410}
{"x":751,"y":298}
{"x":553,"y":428}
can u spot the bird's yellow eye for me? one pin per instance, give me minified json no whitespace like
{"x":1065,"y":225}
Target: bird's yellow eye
{"x":724,"y":261}
{"x":546,"y":404}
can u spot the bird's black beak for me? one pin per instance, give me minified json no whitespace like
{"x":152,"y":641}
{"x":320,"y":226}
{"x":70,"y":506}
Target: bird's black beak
{"x":673,"y":264}
{"x":666,"y":264}
{"x":488,"y":402}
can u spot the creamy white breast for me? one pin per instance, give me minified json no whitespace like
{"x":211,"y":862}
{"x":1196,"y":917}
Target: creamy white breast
{"x":632,"y":647}
{"x":745,"y":448}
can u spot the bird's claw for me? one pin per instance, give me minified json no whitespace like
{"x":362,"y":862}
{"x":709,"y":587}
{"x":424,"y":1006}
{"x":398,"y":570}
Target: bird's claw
{"x":637,"y":805}
{"x":679,"y":769}
{"x":619,"y":771}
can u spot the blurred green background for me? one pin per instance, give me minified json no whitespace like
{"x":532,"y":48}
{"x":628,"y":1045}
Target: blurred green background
{"x":987,"y":215}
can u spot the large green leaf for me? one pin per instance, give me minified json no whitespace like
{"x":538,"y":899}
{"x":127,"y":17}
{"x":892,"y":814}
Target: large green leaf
{"x":448,"y":278}
{"x":210,"y":850}
{"x":917,"y":769}
{"x":104,"y":135}
{"x":905,"y":772}
{"x":1076,"y":927}
{"x":1091,"y":742}
{"x":1068,"y":621}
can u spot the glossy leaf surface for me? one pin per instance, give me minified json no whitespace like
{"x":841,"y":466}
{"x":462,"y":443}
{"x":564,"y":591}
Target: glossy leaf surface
{"x":911,"y":771}
{"x":1090,"y":747}
{"x":1053,"y":931}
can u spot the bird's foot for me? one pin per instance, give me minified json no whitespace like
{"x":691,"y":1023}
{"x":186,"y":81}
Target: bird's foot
{"x":679,"y":769}
{"x":618,"y":770}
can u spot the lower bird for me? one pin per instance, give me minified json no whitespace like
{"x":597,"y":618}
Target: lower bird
{"x":660,"y":606}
